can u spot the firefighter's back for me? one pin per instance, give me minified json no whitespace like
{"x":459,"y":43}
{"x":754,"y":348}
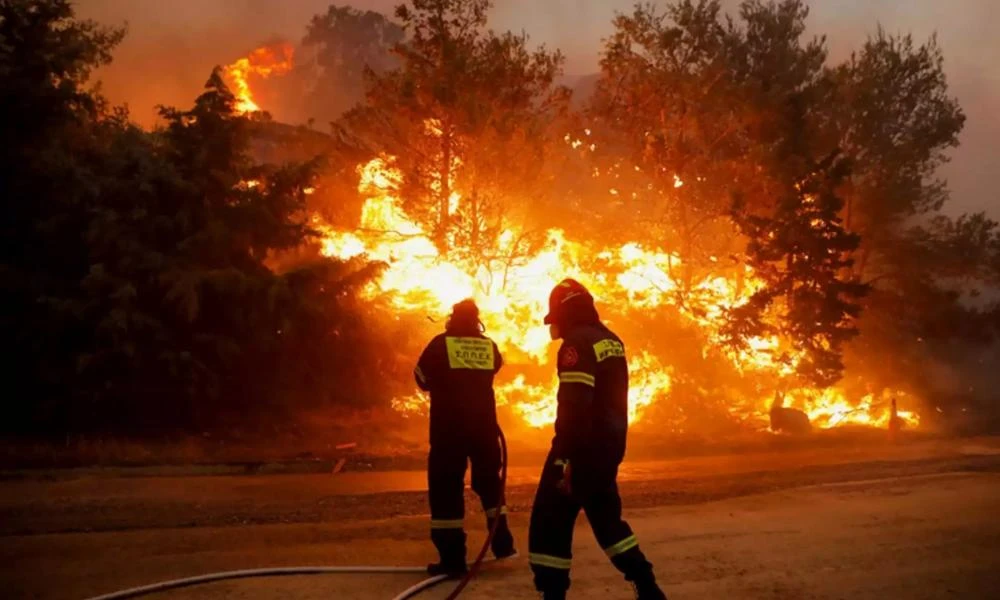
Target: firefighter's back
{"x":462,"y":399}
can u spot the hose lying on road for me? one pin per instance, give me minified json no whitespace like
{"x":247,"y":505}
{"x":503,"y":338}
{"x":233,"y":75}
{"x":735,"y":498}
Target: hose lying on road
{"x":430,"y":582}
{"x":271,"y":572}
{"x":417,"y":588}
{"x":410,"y":592}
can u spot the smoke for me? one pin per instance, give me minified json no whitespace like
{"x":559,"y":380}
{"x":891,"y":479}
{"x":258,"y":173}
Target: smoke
{"x":172,"y":47}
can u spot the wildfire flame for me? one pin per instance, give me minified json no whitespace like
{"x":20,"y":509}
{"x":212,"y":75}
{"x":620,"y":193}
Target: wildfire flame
{"x":420,"y":280}
{"x":273,"y":59}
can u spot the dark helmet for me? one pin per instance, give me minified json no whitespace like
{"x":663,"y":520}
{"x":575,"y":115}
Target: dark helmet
{"x":465,"y":315}
{"x":567,"y":293}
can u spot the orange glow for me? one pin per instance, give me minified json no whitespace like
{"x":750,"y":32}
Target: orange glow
{"x":419,"y":280}
{"x":264,"y":62}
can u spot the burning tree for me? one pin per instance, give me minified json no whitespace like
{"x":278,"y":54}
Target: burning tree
{"x":469,"y":110}
{"x":667,"y":101}
{"x":199,"y":262}
{"x":696,"y":101}
{"x":708,"y":107}
{"x":802,"y":253}
{"x":689,"y":113}
{"x":893,"y":115}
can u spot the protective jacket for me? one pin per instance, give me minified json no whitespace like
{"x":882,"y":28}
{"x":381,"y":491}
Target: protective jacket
{"x":592,"y":414}
{"x":457,"y":369}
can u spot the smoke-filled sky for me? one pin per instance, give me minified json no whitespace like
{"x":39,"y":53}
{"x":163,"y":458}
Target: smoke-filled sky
{"x":172,"y":47}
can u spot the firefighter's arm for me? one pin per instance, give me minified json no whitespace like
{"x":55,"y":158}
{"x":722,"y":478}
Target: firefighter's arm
{"x":426,"y":367}
{"x":497,"y":358}
{"x":577,"y":372}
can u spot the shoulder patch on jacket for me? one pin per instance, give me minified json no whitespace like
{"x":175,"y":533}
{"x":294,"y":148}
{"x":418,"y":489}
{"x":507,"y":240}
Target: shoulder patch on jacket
{"x":609,"y":348}
{"x":568,"y":357}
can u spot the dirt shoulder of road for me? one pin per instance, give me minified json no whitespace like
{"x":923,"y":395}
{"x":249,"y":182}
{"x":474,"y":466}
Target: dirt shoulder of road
{"x":88,"y":503}
{"x":395,"y":449}
{"x":915,"y":529}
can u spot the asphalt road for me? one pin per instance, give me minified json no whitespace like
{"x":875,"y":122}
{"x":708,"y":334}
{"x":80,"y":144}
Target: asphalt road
{"x":890,"y":522}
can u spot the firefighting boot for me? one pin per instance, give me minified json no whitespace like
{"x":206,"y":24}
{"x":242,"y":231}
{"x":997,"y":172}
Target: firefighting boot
{"x":503,"y":540}
{"x":450,"y":544}
{"x":647,"y":589}
{"x":553,"y":595}
{"x":453,"y":570}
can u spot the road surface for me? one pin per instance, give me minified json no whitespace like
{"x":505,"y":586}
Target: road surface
{"x":913,"y":523}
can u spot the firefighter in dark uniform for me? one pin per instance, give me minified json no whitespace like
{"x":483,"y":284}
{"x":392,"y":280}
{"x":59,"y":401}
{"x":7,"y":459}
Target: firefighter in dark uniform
{"x":589,"y":444}
{"x":457,"y":368}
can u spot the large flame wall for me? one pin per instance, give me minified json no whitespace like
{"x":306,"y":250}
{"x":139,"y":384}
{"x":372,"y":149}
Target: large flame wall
{"x":420,"y":280}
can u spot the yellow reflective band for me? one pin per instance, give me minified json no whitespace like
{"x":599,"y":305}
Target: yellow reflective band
{"x":493,"y":512}
{"x":420,"y":374}
{"x":546,"y":560}
{"x":469,"y":353}
{"x":622,"y":546}
{"x":609,"y":349}
{"x":446,"y":523}
{"x":577,"y":377}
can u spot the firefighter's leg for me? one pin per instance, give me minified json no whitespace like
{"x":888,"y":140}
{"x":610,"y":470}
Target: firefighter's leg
{"x":550,"y":535}
{"x":603,"y":507}
{"x":486,"y":483}
{"x":446,"y":483}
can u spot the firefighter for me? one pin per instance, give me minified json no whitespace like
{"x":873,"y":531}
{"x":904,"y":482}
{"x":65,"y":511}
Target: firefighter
{"x":457,"y":369}
{"x":589,"y":444}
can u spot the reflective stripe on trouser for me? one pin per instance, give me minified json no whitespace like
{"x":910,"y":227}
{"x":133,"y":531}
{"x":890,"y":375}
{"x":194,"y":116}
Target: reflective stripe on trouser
{"x":622,"y":546}
{"x":553,"y":516}
{"x":547,"y":560}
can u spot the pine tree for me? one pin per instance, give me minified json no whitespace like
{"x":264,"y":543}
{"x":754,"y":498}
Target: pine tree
{"x":803,"y":254}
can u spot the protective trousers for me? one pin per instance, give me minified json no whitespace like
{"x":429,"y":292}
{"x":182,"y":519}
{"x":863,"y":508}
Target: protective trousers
{"x":553,"y":516}
{"x":446,"y":483}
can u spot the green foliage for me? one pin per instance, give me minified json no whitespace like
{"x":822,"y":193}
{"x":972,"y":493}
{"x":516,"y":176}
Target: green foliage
{"x":737,"y":106}
{"x":137,"y":264}
{"x":892,"y":113}
{"x":345,"y":44}
{"x":802,"y":253}
{"x":169,"y":280}
{"x":50,"y":126}
{"x":706,"y":105}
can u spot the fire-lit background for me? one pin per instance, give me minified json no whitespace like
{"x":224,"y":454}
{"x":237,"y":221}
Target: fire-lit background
{"x":766,"y":218}
{"x":636,"y":283}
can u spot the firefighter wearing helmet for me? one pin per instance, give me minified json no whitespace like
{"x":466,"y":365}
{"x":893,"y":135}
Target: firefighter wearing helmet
{"x":589,"y":444}
{"x":457,"y":369}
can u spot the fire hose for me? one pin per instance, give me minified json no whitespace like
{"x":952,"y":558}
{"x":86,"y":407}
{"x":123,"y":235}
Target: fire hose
{"x":410,"y":592}
{"x":493,"y":529}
